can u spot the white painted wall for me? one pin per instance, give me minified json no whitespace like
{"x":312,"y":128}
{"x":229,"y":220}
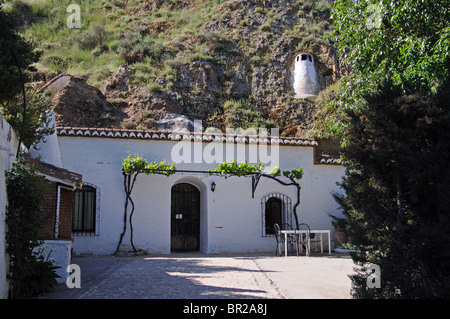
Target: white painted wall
{"x":230,"y":218}
{"x":48,"y":149}
{"x":59,"y":252}
{"x":8,"y":149}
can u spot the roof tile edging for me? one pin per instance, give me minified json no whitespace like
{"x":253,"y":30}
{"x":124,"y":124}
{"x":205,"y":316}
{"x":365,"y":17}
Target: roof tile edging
{"x":180,"y":136}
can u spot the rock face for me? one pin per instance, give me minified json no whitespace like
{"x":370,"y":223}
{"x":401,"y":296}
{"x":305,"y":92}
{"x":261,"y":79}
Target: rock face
{"x":250,"y":50}
{"x":200,"y":76}
{"x":119,"y":82}
{"x":145,"y":109}
{"x":79,"y":104}
{"x":177,"y":123}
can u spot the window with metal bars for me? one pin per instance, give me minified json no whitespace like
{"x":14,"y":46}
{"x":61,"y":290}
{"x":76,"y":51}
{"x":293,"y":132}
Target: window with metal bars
{"x":84,"y":211}
{"x":275,"y":208}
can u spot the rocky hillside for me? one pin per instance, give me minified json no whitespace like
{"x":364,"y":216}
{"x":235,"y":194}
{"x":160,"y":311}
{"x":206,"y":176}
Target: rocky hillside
{"x":161,"y":64}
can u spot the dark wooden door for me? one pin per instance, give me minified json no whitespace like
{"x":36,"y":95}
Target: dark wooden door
{"x":185,"y":218}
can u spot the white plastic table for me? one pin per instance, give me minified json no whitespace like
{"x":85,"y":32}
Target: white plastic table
{"x":321,"y":232}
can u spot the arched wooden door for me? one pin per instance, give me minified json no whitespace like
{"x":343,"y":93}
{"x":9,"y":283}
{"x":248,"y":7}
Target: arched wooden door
{"x":185,"y":218}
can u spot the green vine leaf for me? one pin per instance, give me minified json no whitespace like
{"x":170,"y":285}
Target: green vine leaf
{"x":136,"y":164}
{"x":276,"y":171}
{"x":233,"y":168}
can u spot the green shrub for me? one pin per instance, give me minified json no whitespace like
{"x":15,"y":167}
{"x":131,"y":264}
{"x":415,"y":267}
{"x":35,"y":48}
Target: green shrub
{"x":265,"y":27}
{"x":243,"y":23}
{"x":30,"y":273}
{"x":134,"y":47}
{"x":244,"y":114}
{"x":92,"y":39}
{"x":255,"y":59}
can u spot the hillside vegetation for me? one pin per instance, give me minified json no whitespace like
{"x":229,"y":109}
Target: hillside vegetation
{"x":227,"y":63}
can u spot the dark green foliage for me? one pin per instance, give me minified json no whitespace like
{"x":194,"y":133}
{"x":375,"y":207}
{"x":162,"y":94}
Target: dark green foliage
{"x":396,"y":142}
{"x":30,"y":273}
{"x":11,"y":98}
{"x":396,"y":191}
{"x":10,"y":82}
{"x":406,"y":42}
{"x":37,"y":124}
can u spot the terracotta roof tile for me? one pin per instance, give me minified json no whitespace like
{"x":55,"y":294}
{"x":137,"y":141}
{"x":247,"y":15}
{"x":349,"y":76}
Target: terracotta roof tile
{"x":329,"y":160}
{"x":179,"y":136}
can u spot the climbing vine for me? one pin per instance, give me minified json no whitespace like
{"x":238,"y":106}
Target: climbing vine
{"x":233,"y":168}
{"x":256,"y":172}
{"x":137,"y":164}
{"x":132,"y":166}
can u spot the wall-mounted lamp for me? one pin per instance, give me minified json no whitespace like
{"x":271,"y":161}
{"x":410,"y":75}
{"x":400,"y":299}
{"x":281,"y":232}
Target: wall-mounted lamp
{"x":213,"y":186}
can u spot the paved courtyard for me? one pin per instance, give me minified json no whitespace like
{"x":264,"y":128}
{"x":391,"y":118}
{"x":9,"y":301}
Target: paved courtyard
{"x":202,"y":276}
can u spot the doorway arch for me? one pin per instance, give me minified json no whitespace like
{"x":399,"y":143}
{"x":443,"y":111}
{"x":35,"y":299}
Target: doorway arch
{"x":273,"y":214}
{"x":185,"y":217}
{"x":275,"y":208}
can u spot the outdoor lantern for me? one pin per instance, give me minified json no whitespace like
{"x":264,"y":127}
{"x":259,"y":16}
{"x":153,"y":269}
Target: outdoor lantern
{"x":213,"y":186}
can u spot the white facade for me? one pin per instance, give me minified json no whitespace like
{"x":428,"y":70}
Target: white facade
{"x":8,"y":148}
{"x":230,"y":219}
{"x":60,"y":249}
{"x":59,"y":252}
{"x":48,"y":149}
{"x":304,"y":76}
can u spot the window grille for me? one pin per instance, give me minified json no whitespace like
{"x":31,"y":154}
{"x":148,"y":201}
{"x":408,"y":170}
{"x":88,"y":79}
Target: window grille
{"x":85,"y":211}
{"x":275,"y":208}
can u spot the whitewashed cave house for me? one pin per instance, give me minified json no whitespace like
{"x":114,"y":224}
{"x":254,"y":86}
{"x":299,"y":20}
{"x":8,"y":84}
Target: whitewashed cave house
{"x":190,"y":210}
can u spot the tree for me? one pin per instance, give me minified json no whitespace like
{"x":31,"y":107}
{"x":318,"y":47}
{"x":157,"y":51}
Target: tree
{"x":11,"y":41}
{"x":392,"y":114}
{"x":396,"y":190}
{"x":406,"y":42}
{"x":16,"y":56}
{"x":37,"y":123}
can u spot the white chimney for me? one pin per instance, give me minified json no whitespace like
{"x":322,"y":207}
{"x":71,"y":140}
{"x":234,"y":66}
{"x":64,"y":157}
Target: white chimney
{"x":304,"y":76}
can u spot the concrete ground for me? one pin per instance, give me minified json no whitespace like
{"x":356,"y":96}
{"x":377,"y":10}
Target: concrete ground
{"x":314,"y":277}
{"x":202,"y":276}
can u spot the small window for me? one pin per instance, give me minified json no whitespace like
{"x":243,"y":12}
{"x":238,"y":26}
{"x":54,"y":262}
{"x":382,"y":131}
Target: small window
{"x":275,"y":208}
{"x":84,"y":211}
{"x":304,"y":57}
{"x":310,"y":58}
